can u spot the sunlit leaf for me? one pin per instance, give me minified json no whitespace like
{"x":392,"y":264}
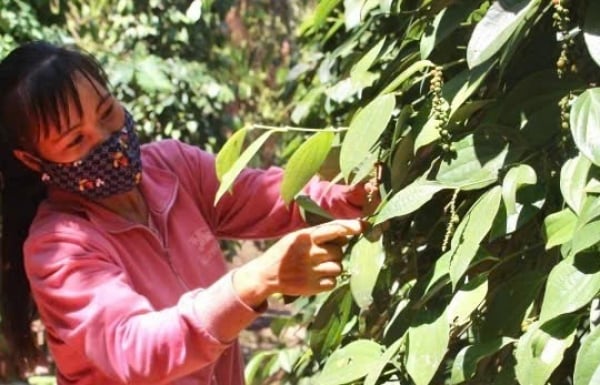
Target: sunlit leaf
{"x":387,"y":356}
{"x":409,"y":199}
{"x":591,"y":30}
{"x":353,"y":13}
{"x":305,"y":163}
{"x":151,"y":76}
{"x":573,"y":179}
{"x":476,"y":164}
{"x":428,"y":339}
{"x":465,"y":363}
{"x":258,"y":364}
{"x":366,"y":127}
{"x":322,"y":12}
{"x":516,"y":177}
{"x":240,"y":163}
{"x":541,"y":349}
{"x":461,"y":87}
{"x":559,"y":227}
{"x":572,"y":284}
{"x":587,"y":364}
{"x":368,"y":59}
{"x":230,"y":152}
{"x":194,"y":11}
{"x":350,"y":363}
{"x":497,"y":26}
{"x":366,"y":259}
{"x":330,"y":320}
{"x":467,"y":298}
{"x":471,"y":231}
{"x":585,"y":124}
{"x":308,"y":205}
{"x":407,"y":74}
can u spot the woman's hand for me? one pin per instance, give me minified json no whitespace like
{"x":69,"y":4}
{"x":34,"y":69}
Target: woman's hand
{"x":304,"y":262}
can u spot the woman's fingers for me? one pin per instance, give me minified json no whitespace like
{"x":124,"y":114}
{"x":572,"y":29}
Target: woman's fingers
{"x":334,"y":230}
{"x":325,"y":252}
{"x":328,"y":269}
{"x":327,"y":283}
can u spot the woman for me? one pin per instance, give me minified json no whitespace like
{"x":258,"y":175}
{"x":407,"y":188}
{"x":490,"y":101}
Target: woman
{"x":122,"y":256}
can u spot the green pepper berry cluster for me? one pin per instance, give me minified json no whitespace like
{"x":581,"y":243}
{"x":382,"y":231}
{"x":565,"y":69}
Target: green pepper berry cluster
{"x":561,"y":21}
{"x":452,"y":222}
{"x":440,"y":109}
{"x":565,"y":107}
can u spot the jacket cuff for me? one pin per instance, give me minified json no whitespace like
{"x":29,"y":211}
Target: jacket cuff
{"x":219,"y":311}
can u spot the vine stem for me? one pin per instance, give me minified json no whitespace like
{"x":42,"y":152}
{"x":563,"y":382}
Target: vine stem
{"x":299,"y":129}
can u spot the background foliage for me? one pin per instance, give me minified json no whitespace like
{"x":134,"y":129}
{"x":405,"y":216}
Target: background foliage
{"x":193,"y":70}
{"x":481,"y":119}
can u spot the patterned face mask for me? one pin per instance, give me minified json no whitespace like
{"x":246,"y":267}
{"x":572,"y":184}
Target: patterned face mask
{"x":113,"y":167}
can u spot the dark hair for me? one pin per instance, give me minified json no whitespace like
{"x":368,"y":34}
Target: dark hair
{"x":37,"y":82}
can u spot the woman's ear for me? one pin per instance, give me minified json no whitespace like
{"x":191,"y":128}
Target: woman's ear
{"x":28,"y":160}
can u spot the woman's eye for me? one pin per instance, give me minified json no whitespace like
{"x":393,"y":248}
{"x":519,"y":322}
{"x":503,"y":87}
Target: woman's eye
{"x":106,"y":114}
{"x":78,"y":139}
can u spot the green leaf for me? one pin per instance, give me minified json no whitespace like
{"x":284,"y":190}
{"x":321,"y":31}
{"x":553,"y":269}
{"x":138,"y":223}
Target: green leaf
{"x":308,"y":205}
{"x":516,"y":177}
{"x":460,"y":88}
{"x":350,"y":363}
{"x":366,"y":260}
{"x":444,"y":23}
{"x":366,"y":127}
{"x":353,"y":11}
{"x":587,"y":363}
{"x":367,"y":60}
{"x":559,"y":227}
{"x":240,"y":163}
{"x":194,"y":11}
{"x":322,"y":12}
{"x":407,"y":74}
{"x":375,"y":371}
{"x":572,"y":284}
{"x":230,"y":152}
{"x":477,"y":162}
{"x":465,"y":363}
{"x":508,"y":303}
{"x":429,"y":133}
{"x":151,"y":77}
{"x":409,"y":199}
{"x":573,"y":179}
{"x":585,"y":236}
{"x":471,"y":231}
{"x":427,"y":345}
{"x":501,"y":20}
{"x":591,"y":30}
{"x":585,"y":124}
{"x":466,"y":299}
{"x":305,"y":163}
{"x":540,"y":350}
{"x":330,"y":320}
{"x":258,"y":364}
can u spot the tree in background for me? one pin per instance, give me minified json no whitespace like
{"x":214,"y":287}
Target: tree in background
{"x":192,"y":70}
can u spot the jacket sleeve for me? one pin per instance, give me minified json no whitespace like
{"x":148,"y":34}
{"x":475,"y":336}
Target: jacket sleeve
{"x":89,"y":307}
{"x":254,"y":208}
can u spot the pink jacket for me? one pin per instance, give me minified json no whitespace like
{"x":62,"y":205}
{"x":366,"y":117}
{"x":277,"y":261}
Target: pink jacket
{"x":124,"y":304}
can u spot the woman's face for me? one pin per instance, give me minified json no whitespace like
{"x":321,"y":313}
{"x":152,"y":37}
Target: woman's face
{"x":101,"y":115}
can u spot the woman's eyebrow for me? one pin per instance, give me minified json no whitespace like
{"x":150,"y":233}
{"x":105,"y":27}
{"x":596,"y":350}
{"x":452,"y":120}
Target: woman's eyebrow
{"x":103,"y":100}
{"x":77,"y":125}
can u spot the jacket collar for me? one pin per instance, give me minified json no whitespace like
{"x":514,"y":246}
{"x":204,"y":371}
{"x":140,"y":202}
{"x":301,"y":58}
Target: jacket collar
{"x":158,"y":186}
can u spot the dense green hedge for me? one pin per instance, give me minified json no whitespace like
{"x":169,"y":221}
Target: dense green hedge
{"x":482,"y":119}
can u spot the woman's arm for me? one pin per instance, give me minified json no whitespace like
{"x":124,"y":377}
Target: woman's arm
{"x":89,"y":306}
